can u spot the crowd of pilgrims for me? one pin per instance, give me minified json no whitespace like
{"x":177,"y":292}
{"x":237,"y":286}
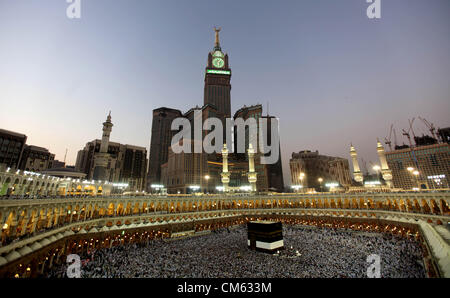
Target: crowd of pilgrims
{"x":309,"y":252}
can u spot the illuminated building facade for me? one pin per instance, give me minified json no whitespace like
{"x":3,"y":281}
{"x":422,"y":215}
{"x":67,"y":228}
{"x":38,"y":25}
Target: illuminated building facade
{"x":36,"y":159}
{"x":315,"y":167}
{"x":11,"y":147}
{"x":431,"y":162}
{"x":103,"y":160}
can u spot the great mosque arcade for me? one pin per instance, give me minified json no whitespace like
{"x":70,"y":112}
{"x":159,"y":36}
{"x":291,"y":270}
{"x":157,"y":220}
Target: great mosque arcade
{"x":35,"y":231}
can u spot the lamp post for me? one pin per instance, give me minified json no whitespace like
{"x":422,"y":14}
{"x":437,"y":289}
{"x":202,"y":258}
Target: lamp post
{"x":320,"y":182}
{"x":377,"y":169}
{"x":302,"y":176}
{"x":207,"y":183}
{"x":415,"y":174}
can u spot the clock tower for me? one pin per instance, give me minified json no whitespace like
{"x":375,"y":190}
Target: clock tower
{"x":217,"y":79}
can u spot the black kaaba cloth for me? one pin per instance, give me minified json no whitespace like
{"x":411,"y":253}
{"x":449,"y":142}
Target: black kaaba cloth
{"x":266,"y":236}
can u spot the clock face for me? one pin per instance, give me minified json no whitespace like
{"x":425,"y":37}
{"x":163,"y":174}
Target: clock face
{"x":218,"y":62}
{"x":218,"y":54}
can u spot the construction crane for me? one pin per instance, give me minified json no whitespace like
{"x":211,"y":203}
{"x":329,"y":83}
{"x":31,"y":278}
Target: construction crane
{"x":430,"y":127}
{"x":364,"y":167}
{"x":387,"y":140}
{"x":395,"y":139}
{"x":65,"y":155}
{"x":407,"y":133}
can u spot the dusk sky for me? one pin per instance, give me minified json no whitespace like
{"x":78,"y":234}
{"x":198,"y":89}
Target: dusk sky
{"x":329,"y":73}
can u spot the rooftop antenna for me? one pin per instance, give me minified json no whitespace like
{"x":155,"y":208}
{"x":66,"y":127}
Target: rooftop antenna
{"x":267,"y":109}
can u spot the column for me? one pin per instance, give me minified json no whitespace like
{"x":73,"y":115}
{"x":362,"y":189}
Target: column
{"x":252,"y":176}
{"x":225,"y":174}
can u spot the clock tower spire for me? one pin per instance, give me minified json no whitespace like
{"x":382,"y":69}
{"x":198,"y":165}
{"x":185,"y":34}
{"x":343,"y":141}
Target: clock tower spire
{"x":217,"y":42}
{"x":217,"y":79}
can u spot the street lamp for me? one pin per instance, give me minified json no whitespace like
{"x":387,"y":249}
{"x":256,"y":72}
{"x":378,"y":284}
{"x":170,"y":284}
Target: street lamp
{"x":377,"y":169}
{"x":415,"y":174}
{"x":302,"y":176}
{"x":320,"y":182}
{"x":207,"y":182}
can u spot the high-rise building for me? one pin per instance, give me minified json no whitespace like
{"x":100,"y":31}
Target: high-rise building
{"x":11,"y":148}
{"x":275,"y":179}
{"x":420,"y":167}
{"x":179,"y":172}
{"x":36,"y":159}
{"x":114,"y":162}
{"x":160,"y":142}
{"x":314,"y":166}
{"x":183,"y":171}
{"x":217,"y":79}
{"x":126,"y":163}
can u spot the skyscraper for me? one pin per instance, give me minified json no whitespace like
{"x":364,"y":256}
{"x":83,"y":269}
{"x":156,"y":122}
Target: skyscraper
{"x":217,"y":79}
{"x":160,"y":142}
{"x":177,"y":172}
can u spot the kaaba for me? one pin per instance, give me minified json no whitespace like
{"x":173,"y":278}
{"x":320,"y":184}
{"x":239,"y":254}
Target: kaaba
{"x":265,"y":236}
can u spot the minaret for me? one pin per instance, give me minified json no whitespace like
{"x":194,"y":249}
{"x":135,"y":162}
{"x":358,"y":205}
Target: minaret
{"x":101,"y":157}
{"x":107,"y":127}
{"x":385,"y":172}
{"x":251,"y":167}
{"x":356,"y":171}
{"x":225,"y":174}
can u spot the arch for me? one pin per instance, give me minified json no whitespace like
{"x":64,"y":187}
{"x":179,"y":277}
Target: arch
{"x":444,"y":207}
{"x":136,"y":209}
{"x":425,"y":207}
{"x":434,"y":207}
{"x":110,"y":209}
{"x":120,"y":209}
{"x":128,"y":209}
{"x":354,"y":204}
{"x":402,"y":205}
{"x":346,"y":203}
